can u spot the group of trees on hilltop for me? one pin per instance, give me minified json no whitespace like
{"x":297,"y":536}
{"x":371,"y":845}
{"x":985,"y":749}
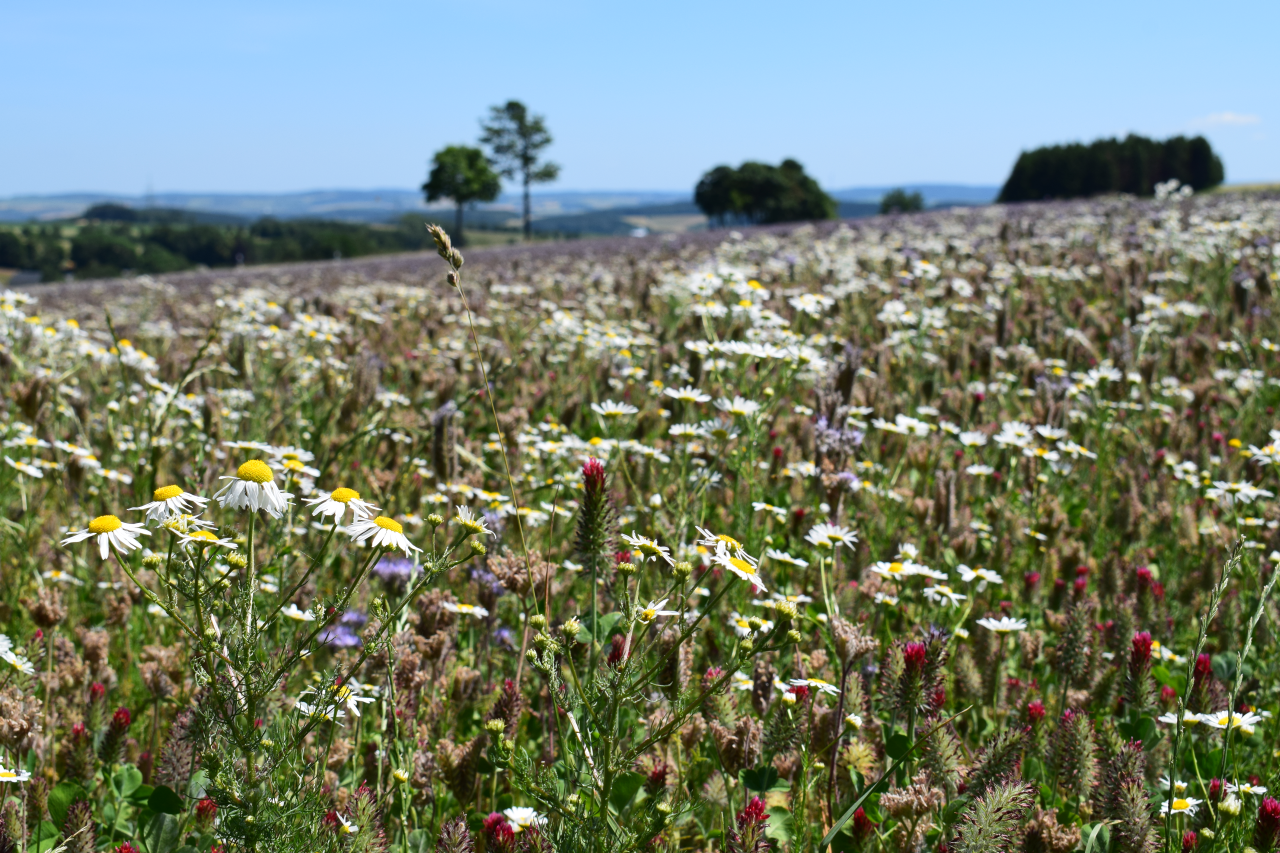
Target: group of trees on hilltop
{"x":758,"y":193}
{"x":1132,"y":165}
{"x":466,"y":174}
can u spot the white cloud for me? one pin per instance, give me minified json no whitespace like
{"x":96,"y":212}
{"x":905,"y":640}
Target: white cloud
{"x":1227,"y":119}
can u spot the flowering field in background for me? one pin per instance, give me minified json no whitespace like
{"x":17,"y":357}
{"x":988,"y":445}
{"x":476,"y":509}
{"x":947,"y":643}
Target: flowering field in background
{"x":952,"y":532}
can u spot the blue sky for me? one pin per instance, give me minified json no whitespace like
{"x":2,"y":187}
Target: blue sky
{"x":277,"y":96}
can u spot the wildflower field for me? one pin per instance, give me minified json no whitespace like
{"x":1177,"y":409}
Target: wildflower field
{"x":952,"y":532}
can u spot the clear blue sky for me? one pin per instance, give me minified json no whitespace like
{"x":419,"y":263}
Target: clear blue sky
{"x":276,"y":96}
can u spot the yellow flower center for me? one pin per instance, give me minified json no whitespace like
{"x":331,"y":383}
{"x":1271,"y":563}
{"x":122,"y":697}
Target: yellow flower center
{"x":8,"y":774}
{"x":255,"y":471}
{"x":204,"y":534}
{"x":742,"y":566}
{"x":648,"y":613}
{"x":388,"y":524}
{"x":344,"y":495}
{"x":293,"y":465}
{"x":729,"y":540}
{"x":104,"y":524}
{"x":1180,"y":804}
{"x":164,"y":493}
{"x":895,"y":567}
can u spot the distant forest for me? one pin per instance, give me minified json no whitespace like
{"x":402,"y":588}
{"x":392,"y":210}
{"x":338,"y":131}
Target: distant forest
{"x":1132,"y":165}
{"x":111,"y":239}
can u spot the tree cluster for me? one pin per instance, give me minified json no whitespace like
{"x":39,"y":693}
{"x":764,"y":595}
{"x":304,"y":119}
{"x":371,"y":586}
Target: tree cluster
{"x":1132,"y":165}
{"x":758,"y":193}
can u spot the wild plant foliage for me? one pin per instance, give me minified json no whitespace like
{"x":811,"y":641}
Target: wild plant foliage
{"x":949,"y":532}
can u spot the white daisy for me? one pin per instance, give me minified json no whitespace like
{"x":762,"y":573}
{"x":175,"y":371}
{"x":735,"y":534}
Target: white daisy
{"x":741,"y":564}
{"x":784,"y":557}
{"x":688,"y":394}
{"x":383,"y":532}
{"x":943,"y":593}
{"x":610,"y":409}
{"x":291,"y":611}
{"x":522,"y":818}
{"x":465,"y":609}
{"x":167,"y":501}
{"x":59,"y":576}
{"x":111,"y":532}
{"x":816,"y":684}
{"x":648,"y":548}
{"x":1003,"y":625}
{"x":337,"y":503}
{"x":981,"y":575}
{"x":654,"y":610}
{"x":253,"y":488}
{"x":467,"y":520}
{"x":1187,"y":805}
{"x":1246,"y":788}
{"x":204,"y":538}
{"x":7,"y":775}
{"x":830,"y":535}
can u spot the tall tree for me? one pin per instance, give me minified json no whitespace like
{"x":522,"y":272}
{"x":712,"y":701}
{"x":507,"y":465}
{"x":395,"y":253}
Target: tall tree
{"x":517,"y":139}
{"x":463,"y":174}
{"x":760,"y":193}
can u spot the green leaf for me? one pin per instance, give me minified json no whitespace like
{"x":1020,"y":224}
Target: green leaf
{"x":161,"y":834}
{"x":163,"y":800}
{"x":760,"y":778}
{"x":61,"y":798}
{"x":199,"y":780}
{"x":1100,"y":835}
{"x":608,"y":622}
{"x":126,"y":780}
{"x":624,"y":789}
{"x":420,"y":841}
{"x":897,"y":745}
{"x":140,"y":795}
{"x":782,"y":826}
{"x":43,"y":837}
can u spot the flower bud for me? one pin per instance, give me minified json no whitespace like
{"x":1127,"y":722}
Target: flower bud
{"x":747,"y":644}
{"x":571,"y":628}
{"x":495,"y":727}
{"x":435,"y":520}
{"x":786,"y":609}
{"x":537,"y":621}
{"x":531,"y":656}
{"x":452,"y":278}
{"x":682,"y":570}
{"x":477,"y":548}
{"x":627,"y":569}
{"x":793,"y":636}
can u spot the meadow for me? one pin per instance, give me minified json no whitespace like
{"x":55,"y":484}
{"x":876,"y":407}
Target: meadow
{"x":950,"y":532}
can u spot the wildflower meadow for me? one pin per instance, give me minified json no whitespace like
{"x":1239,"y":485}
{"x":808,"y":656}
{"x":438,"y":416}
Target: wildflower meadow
{"x":949,"y":532}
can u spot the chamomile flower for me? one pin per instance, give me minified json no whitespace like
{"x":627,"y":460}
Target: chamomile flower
{"x":253,"y":488}
{"x":291,"y":611}
{"x":111,"y":533}
{"x":784,"y":557}
{"x":1003,"y":625}
{"x":1179,"y":787}
{"x":7,"y":775}
{"x":346,"y":827}
{"x":739,"y":406}
{"x":522,"y":818}
{"x":687,"y":394}
{"x":816,"y":684}
{"x":465,"y":609}
{"x":59,"y":576}
{"x":204,"y":538}
{"x":1181,"y":805}
{"x":647,"y":548}
{"x":383,"y":532}
{"x":654,"y":610}
{"x":741,"y":564}
{"x":25,"y":468}
{"x":942,"y":593}
{"x":168,"y":501}
{"x":1222,"y":719}
{"x":468,"y":521}
{"x":1189,"y":718}
{"x":18,"y":662}
{"x":1246,"y":788}
{"x":338,"y":502}
{"x":610,"y":409}
{"x":981,"y":575}
{"x":826,"y":535}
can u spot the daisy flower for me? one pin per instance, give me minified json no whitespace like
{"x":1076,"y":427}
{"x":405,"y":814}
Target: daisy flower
{"x":204,"y":538}
{"x":610,"y":409}
{"x":943,"y":593}
{"x":59,"y":576}
{"x":784,"y":557}
{"x":816,"y":684}
{"x":1189,"y":718}
{"x":981,"y":575}
{"x":654,"y":610}
{"x":1181,"y":805}
{"x":111,"y":532}
{"x":291,"y":611}
{"x":337,"y":503}
{"x":468,"y":521}
{"x":1003,"y":625}
{"x":739,"y":406}
{"x":1246,"y":788}
{"x":1222,"y":719}
{"x":854,"y":720}
{"x":383,"y":532}
{"x":167,"y":501}
{"x":346,"y":827}
{"x":1179,"y":787}
{"x":648,"y":549}
{"x":830,"y":535}
{"x":522,"y":818}
{"x":745,"y":626}
{"x":25,"y":468}
{"x":253,"y":488}
{"x":7,"y":775}
{"x":687,"y":394}
{"x":17,"y":661}
{"x":297,"y":469}
{"x":465,"y":609}
{"x":741,"y":565}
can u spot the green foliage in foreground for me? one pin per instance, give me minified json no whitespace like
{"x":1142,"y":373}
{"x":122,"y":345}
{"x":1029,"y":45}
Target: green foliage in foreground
{"x":953,"y":534}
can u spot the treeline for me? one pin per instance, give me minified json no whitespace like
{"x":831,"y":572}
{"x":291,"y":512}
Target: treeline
{"x":107,"y":247}
{"x":1132,"y":165}
{"x":758,"y":193}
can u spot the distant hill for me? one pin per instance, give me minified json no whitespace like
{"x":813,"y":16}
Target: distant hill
{"x":935,"y":195}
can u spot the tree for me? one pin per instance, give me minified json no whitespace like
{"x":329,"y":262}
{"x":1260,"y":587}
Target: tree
{"x":517,"y":139}
{"x":465,"y":175}
{"x":901,"y":201}
{"x":1132,"y":165}
{"x":759,"y":193}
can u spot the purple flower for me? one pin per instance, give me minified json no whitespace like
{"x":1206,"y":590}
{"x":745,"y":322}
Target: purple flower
{"x":340,"y":636}
{"x":395,"y":572}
